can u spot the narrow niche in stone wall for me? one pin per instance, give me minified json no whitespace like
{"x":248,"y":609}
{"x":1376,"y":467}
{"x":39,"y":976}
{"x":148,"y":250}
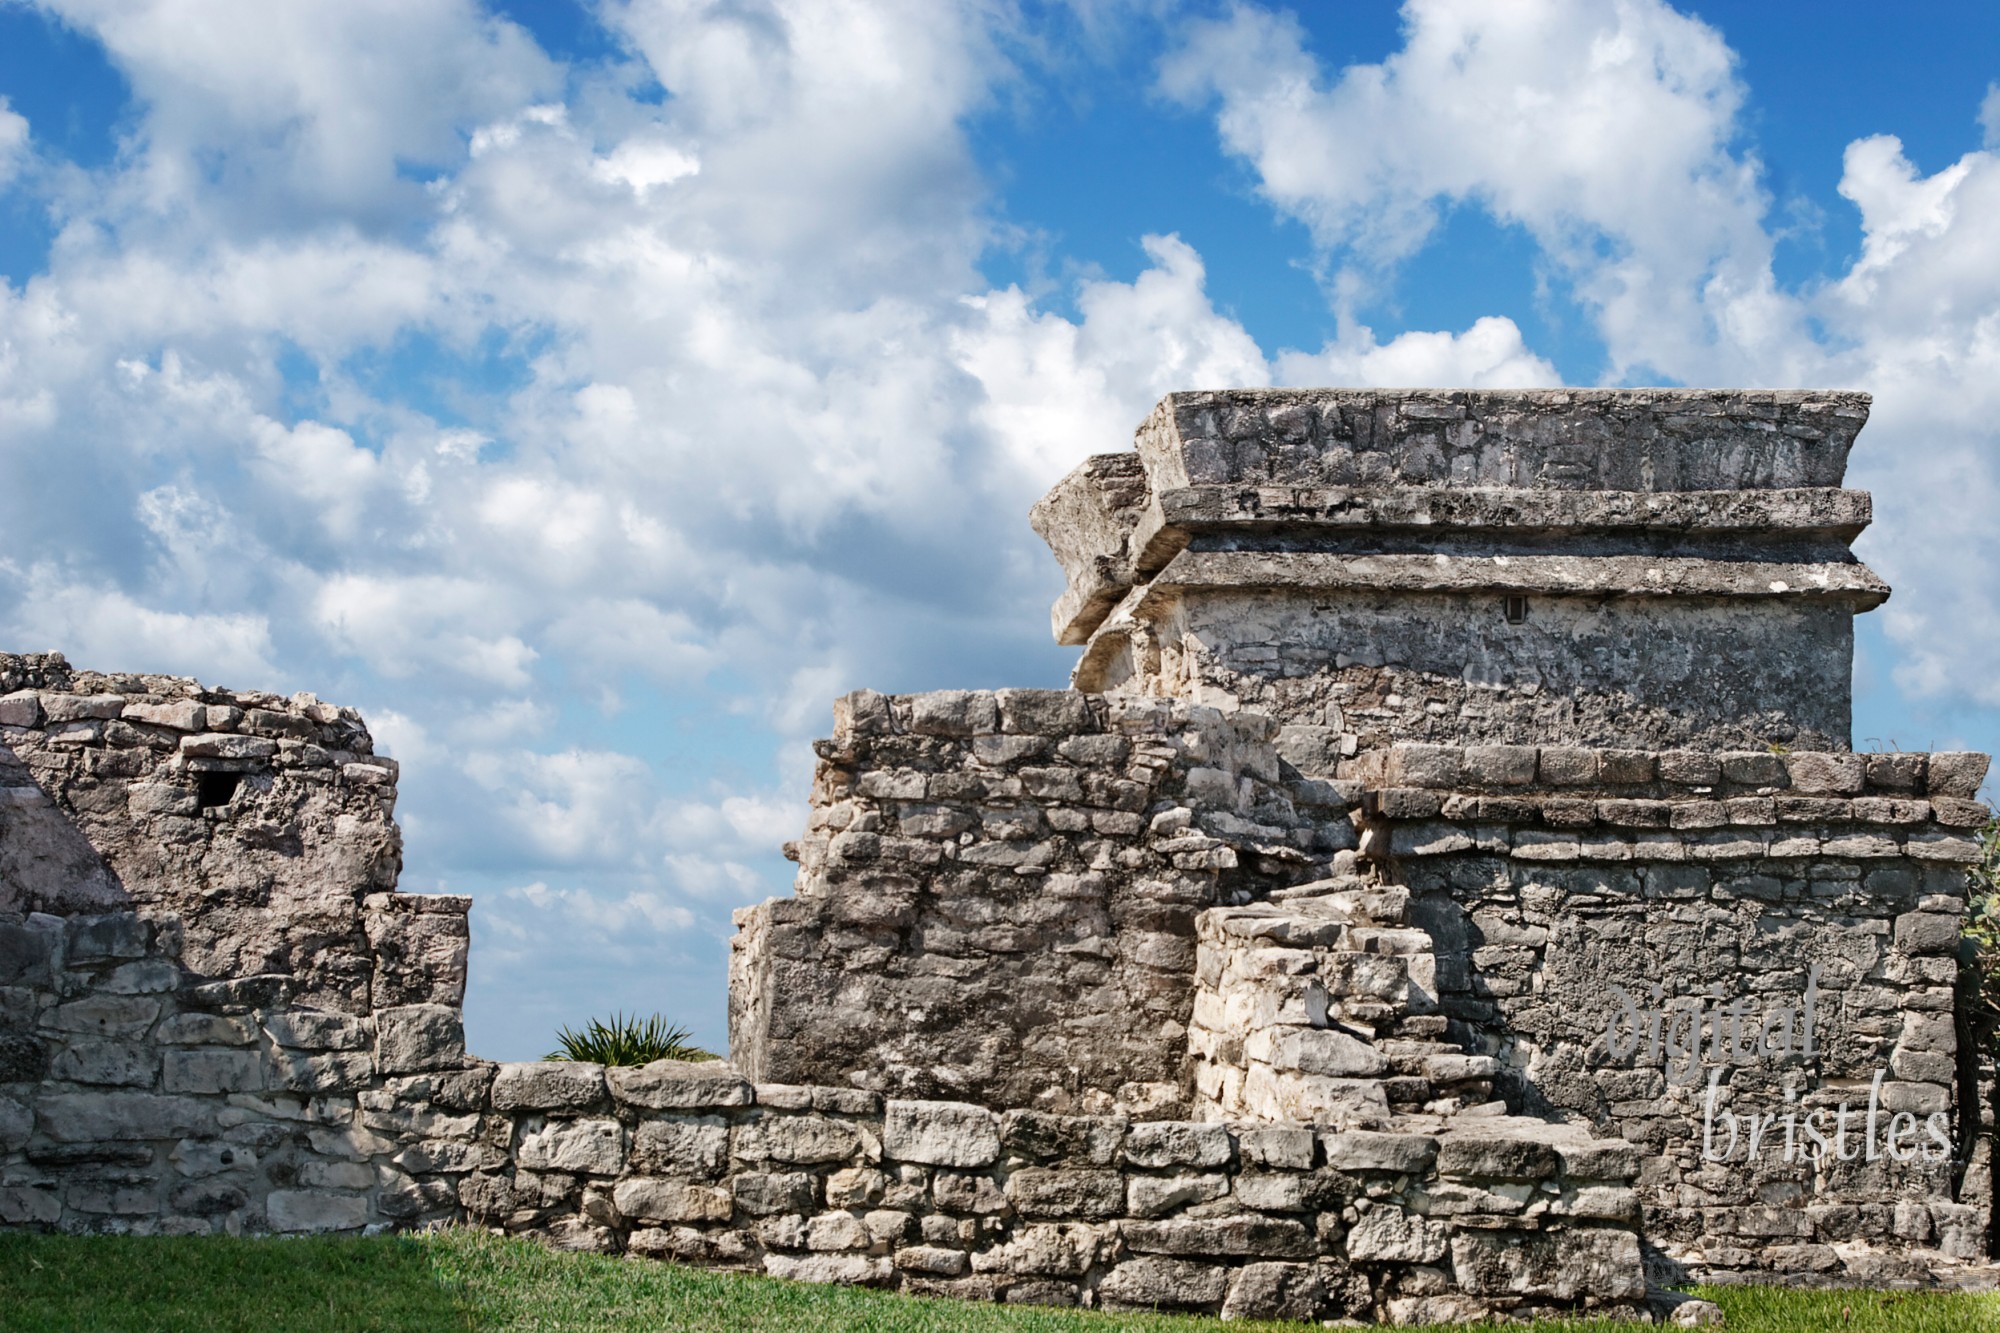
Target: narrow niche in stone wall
{"x":214,"y":789}
{"x":1516,"y":609}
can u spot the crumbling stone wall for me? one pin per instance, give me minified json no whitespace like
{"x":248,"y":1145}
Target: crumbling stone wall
{"x":1504,"y":891}
{"x":261,"y":824}
{"x":997,"y":895}
{"x":1800,"y":884}
{"x":202,"y":968}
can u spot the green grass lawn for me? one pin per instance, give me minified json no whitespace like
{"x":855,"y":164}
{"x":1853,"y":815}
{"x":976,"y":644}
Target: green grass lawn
{"x":470,"y":1280}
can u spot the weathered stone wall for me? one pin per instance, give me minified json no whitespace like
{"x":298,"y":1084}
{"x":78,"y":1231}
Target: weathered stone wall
{"x":997,"y":895}
{"x":1379,"y":668}
{"x":201,"y":970}
{"x":1822,"y":885}
{"x":690,"y":1162}
{"x":260,"y":823}
{"x":139,"y":1096}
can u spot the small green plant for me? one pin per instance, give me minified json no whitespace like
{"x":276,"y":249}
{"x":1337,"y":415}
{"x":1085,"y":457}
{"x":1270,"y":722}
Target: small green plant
{"x":628,"y":1041}
{"x":1979,"y":954}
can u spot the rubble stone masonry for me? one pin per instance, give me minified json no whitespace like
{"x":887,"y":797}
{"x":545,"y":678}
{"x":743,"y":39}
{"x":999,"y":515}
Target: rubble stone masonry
{"x":1449,"y":892}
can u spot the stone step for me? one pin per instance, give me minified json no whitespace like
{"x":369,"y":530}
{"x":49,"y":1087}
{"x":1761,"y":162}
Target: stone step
{"x":1396,"y":940}
{"x":1265,"y":921}
{"x":1458,"y":1100}
{"x":1359,"y":900}
{"x":1453,"y":1067}
{"x":1364,"y":1012}
{"x":1420,"y":1027}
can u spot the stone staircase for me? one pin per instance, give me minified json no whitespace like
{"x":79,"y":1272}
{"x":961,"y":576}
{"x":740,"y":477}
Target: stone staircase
{"x":1319,"y":1005}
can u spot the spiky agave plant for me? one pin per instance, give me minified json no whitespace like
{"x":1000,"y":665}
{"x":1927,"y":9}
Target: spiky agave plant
{"x":628,"y":1041}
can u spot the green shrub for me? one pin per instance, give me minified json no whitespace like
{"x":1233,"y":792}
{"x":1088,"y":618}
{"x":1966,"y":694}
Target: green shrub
{"x":628,"y":1041}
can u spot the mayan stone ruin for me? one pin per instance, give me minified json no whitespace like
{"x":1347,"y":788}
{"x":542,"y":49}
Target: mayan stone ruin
{"x":1448,"y":891}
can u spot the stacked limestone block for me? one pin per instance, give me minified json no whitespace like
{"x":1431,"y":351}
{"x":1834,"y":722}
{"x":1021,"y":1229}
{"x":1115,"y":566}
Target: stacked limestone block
{"x":1826,"y":883}
{"x":694,"y":1163}
{"x":998,"y":891}
{"x":1320,"y":1005}
{"x":201,"y":970}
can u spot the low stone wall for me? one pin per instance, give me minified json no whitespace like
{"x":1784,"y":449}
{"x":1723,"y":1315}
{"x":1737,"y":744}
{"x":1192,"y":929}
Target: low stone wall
{"x":693,"y":1163}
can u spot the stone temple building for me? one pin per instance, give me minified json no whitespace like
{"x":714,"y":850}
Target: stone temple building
{"x":1448,"y":890}
{"x":1425,"y":747}
{"x":1645,"y":570}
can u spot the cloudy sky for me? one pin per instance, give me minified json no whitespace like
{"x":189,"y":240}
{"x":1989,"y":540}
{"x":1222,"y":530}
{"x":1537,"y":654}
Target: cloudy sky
{"x":590,"y":391}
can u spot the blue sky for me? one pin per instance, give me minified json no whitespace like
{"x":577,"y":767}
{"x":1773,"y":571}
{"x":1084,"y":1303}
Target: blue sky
{"x":590,"y":392}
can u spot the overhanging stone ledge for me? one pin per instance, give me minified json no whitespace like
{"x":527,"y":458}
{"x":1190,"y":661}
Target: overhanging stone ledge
{"x":1851,"y":584}
{"x":1829,"y":510}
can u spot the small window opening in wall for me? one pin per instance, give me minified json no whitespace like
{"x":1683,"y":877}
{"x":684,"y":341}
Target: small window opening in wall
{"x":216,"y":788}
{"x":1517,"y":610}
